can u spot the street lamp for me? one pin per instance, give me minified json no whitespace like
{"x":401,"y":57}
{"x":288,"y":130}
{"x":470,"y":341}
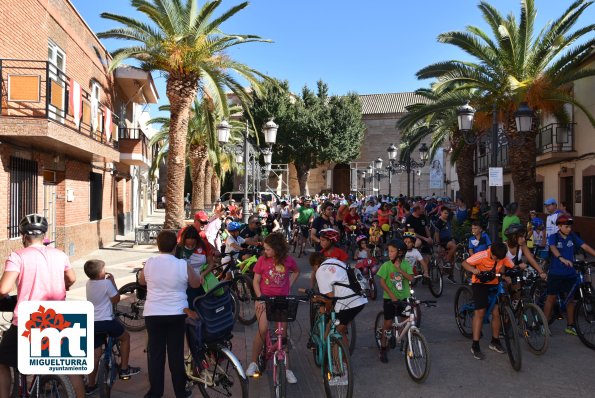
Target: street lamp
{"x":407,"y":164}
{"x":392,"y":168}
{"x":524,"y":121}
{"x":363,"y":174}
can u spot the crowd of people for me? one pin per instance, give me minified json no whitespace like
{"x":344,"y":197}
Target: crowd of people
{"x":395,"y":231}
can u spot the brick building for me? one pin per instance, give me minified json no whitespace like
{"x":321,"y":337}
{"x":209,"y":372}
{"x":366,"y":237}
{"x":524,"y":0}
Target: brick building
{"x":73,"y":144}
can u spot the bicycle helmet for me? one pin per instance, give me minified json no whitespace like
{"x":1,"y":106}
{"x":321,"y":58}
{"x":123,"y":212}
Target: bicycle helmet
{"x":514,"y":230}
{"x":33,"y":224}
{"x":234,"y":226}
{"x":536,"y":222}
{"x":330,"y":234}
{"x":564,"y":219}
{"x":409,"y":235}
{"x":360,"y":238}
{"x":399,"y":244}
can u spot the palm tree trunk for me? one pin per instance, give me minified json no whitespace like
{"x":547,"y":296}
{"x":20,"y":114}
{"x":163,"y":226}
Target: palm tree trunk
{"x":215,"y":187}
{"x":522,"y":165}
{"x":181,"y":91}
{"x":465,"y":172}
{"x":197,"y":154}
{"x":207,"y":183}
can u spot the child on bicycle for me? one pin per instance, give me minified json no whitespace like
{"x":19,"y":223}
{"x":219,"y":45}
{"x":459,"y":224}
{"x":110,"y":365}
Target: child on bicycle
{"x":103,"y":293}
{"x":394,"y":276}
{"x":479,"y":240}
{"x":328,"y":240}
{"x":274,"y":274}
{"x":375,"y":233}
{"x":562,"y":275}
{"x":413,"y":256}
{"x":362,"y":251}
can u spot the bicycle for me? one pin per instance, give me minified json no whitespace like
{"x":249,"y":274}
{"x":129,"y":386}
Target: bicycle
{"x":408,"y":337}
{"x":464,"y":309}
{"x":351,"y":328}
{"x":280,"y":310}
{"x":132,"y":304}
{"x":368,"y":268}
{"x":39,"y":386}
{"x":297,"y":237}
{"x":584,"y":309}
{"x":461,"y":255}
{"x":330,"y":352}
{"x":435,"y":270}
{"x":211,"y":365}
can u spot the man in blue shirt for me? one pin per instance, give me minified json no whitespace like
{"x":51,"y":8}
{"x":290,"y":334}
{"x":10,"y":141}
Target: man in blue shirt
{"x":562,"y":275}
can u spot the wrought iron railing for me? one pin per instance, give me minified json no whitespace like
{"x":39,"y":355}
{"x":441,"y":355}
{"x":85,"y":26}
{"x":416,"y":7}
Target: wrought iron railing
{"x":555,"y":137}
{"x":135,"y":134}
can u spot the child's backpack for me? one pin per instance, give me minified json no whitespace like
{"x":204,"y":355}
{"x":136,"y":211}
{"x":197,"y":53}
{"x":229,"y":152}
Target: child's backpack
{"x":357,"y":283}
{"x":216,"y":312}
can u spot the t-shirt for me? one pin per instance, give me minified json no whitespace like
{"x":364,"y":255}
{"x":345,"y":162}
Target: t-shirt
{"x":318,"y":225}
{"x":384,"y":217}
{"x":41,"y":274}
{"x":305,"y":213}
{"x":483,"y":262}
{"x":167,"y":280}
{"x":246,"y":232}
{"x":275,"y":277}
{"x":412,"y":256}
{"x":506,"y":222}
{"x":396,"y":283}
{"x":99,"y":292}
{"x":461,"y":214}
{"x":481,"y":244}
{"x":335,"y":252}
{"x":566,"y":247}
{"x":444,"y":230}
{"x":350,"y":219}
{"x":328,"y":274}
{"x":418,"y":224}
{"x":230,"y":241}
{"x":550,"y":224}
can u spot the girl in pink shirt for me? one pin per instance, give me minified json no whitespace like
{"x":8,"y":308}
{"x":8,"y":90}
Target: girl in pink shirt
{"x":274,"y":274}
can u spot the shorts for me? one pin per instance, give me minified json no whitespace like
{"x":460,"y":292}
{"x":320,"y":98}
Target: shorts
{"x":392,"y":309}
{"x":102,"y":328}
{"x":347,"y":315}
{"x":482,"y":293}
{"x":9,"y":347}
{"x":560,"y":284}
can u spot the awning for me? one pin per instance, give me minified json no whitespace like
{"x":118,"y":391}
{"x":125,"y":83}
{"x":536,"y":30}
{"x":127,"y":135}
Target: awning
{"x":137,"y":84}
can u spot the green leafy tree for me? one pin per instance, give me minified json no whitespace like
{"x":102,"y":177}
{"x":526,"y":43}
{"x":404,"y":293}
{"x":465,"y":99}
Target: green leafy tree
{"x":516,"y":64}
{"x":185,"y":43}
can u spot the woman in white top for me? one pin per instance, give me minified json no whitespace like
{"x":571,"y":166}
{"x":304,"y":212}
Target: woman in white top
{"x":166,"y":278}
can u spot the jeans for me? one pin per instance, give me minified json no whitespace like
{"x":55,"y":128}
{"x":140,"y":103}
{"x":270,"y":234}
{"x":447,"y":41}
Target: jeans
{"x":166,"y":332}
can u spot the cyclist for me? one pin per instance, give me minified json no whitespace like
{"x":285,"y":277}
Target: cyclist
{"x":324,"y":221}
{"x":304,"y":217}
{"x":413,"y":255}
{"x":443,"y":234}
{"x":551,"y":207}
{"x":375,"y":233}
{"x":234,"y":241}
{"x":351,"y":219}
{"x":40,"y":273}
{"x":562,"y":276}
{"x":251,"y":232}
{"x":419,"y":223}
{"x":513,"y":212}
{"x":384,"y":215}
{"x":328,"y":239}
{"x":274,"y":274}
{"x":103,"y":293}
{"x":484,"y":266}
{"x":394,"y":276}
{"x":479,"y":240}
{"x":362,"y":251}
{"x":234,"y":210}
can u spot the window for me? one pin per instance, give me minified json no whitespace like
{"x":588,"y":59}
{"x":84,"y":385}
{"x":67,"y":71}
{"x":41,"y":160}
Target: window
{"x":96,"y":196}
{"x":23,"y":192}
{"x":589,"y":196}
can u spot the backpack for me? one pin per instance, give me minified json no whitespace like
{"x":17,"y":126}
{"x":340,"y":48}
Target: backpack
{"x":357,"y":283}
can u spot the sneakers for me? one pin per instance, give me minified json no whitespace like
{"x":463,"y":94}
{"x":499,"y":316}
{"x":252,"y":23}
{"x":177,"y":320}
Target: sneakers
{"x":383,"y":355}
{"x":131,"y":371}
{"x":496,"y":346}
{"x":571,"y":330}
{"x":477,"y":354}
{"x":91,"y":390}
{"x":252,"y":369}
{"x":291,"y":379}
{"x":338,"y":381}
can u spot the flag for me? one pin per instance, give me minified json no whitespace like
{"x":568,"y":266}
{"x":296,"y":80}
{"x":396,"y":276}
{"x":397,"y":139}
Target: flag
{"x":75,"y":102}
{"x":107,"y":124}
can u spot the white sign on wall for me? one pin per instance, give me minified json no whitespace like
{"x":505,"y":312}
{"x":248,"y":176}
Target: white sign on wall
{"x":437,"y":170}
{"x":495,"y":177}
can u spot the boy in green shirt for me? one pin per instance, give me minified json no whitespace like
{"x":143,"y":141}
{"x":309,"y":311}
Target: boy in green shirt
{"x":394,"y":276}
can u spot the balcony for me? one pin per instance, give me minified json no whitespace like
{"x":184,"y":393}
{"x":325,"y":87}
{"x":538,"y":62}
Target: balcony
{"x":482,"y":158}
{"x":42,"y":107}
{"x":134,"y":147}
{"x":555,"y":143}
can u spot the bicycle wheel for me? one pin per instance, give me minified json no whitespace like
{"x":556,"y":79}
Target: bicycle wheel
{"x":338,"y":374}
{"x":378,"y":327}
{"x":244,"y":290}
{"x":539,"y":293}
{"x":510,"y":331}
{"x":132,"y":306}
{"x":351,"y":336}
{"x":464,"y":309}
{"x":280,"y":380}
{"x":417,"y":357}
{"x":584,"y":319}
{"x":535,"y":328}
{"x":54,"y":386}
{"x":373,"y":290}
{"x":104,"y":379}
{"x":417,"y":311}
{"x":436,"y":283}
{"x":315,"y":343}
{"x":224,"y":375}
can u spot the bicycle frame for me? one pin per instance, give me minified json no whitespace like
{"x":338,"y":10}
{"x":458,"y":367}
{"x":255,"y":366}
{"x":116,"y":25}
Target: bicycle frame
{"x":275,"y":351}
{"x":324,"y":345}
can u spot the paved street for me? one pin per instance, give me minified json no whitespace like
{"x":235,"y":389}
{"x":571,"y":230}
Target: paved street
{"x":565,"y":370}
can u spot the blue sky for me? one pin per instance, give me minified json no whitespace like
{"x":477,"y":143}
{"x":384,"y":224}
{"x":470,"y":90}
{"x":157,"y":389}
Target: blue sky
{"x":373,"y":46}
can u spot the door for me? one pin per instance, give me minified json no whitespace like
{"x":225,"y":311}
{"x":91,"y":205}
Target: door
{"x":56,"y":97}
{"x":49,"y":208}
{"x":567,"y":192}
{"x":506,"y":199}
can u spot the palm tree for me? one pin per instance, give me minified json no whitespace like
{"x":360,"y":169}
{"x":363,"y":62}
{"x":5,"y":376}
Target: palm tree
{"x":515,"y":66}
{"x":185,"y":43}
